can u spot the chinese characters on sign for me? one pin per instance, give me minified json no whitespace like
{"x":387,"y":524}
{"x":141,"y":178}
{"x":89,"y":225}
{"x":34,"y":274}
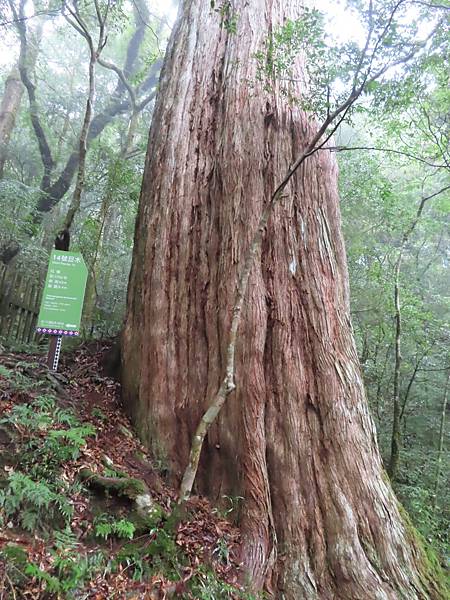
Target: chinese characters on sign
{"x":63,"y":295}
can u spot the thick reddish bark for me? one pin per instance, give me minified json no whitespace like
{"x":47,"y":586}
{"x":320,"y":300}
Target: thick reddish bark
{"x":295,"y":439}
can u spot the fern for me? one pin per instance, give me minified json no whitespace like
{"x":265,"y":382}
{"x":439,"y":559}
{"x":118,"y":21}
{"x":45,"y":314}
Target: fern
{"x":40,"y":495}
{"x":66,"y":540}
{"x":33,"y":502}
{"x":52,"y":583}
{"x":42,"y":413}
{"x":6,"y":373}
{"x":106,"y":526}
{"x":70,"y":569}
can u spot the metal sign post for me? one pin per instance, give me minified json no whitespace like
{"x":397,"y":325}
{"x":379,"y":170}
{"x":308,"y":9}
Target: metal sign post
{"x":54,"y":351}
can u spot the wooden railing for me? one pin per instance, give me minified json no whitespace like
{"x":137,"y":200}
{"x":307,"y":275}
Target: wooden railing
{"x":19,"y":306}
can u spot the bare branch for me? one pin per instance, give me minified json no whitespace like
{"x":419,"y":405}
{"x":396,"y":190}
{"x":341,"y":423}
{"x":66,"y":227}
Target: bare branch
{"x":120,"y":74}
{"x":44,"y":147}
{"x":390,"y":150}
{"x":145,"y":101}
{"x":381,"y":37}
{"x":406,"y":58}
{"x":23,"y":18}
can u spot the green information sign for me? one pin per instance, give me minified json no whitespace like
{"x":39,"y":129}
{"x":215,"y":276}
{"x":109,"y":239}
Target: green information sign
{"x":63,"y":295}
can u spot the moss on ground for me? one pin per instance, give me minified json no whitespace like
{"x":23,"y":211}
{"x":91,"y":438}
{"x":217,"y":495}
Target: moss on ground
{"x":431,"y":573}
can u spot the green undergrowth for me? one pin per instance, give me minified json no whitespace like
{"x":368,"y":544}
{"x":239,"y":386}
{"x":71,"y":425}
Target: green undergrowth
{"x":39,"y":489}
{"x":430,"y":570}
{"x":35,"y":495}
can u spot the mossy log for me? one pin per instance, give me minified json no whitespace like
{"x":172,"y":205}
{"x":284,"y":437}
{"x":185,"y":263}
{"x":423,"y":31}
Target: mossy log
{"x":145,"y":514}
{"x":128,"y":487}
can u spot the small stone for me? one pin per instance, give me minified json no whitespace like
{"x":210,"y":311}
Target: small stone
{"x":144,"y":502}
{"x":107,"y":461}
{"x":125,"y":431}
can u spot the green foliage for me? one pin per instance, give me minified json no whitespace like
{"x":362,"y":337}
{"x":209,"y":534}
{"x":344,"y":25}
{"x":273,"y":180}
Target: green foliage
{"x":38,"y":415}
{"x":321,"y":73}
{"x":279,"y":59}
{"x":221,"y":551}
{"x":150,"y":57}
{"x":33,"y":503}
{"x":228,"y":16}
{"x":7,"y":373}
{"x":106,"y":241}
{"x":17,"y":202}
{"x":432,"y":567}
{"x":205,"y":586}
{"x":114,"y":163}
{"x":15,"y":554}
{"x":37,"y":497}
{"x":415,"y":490}
{"x":161,"y":554}
{"x":29,"y":348}
{"x":42,"y":425}
{"x":147,"y":556}
{"x":106,"y":526}
{"x":133,"y":558}
{"x":17,"y":205}
{"x":97,"y":413}
{"x":380,"y":196}
{"x":70,"y":568}
{"x":15,"y":561}
{"x":35,"y":494}
{"x":17,"y":381}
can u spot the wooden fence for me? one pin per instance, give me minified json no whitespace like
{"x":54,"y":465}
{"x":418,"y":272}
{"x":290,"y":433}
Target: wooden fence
{"x":19,"y":306}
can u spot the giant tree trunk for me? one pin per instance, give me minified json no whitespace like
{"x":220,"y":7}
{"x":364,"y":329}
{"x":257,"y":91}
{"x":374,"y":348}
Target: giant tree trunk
{"x":295,"y":439}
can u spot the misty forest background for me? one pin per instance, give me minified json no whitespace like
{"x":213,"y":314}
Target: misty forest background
{"x":394,"y":164}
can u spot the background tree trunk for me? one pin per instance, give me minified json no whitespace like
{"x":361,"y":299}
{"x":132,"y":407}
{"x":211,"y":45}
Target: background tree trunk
{"x":441,"y":443}
{"x":13,"y":94}
{"x":295,"y":439}
{"x":8,"y":110}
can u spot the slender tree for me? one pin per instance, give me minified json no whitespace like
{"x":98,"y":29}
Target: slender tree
{"x":441,"y":443}
{"x":226,"y":228}
{"x":73,"y":16}
{"x":13,"y":93}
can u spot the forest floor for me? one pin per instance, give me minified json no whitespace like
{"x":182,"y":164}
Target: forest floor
{"x":84,"y":510}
